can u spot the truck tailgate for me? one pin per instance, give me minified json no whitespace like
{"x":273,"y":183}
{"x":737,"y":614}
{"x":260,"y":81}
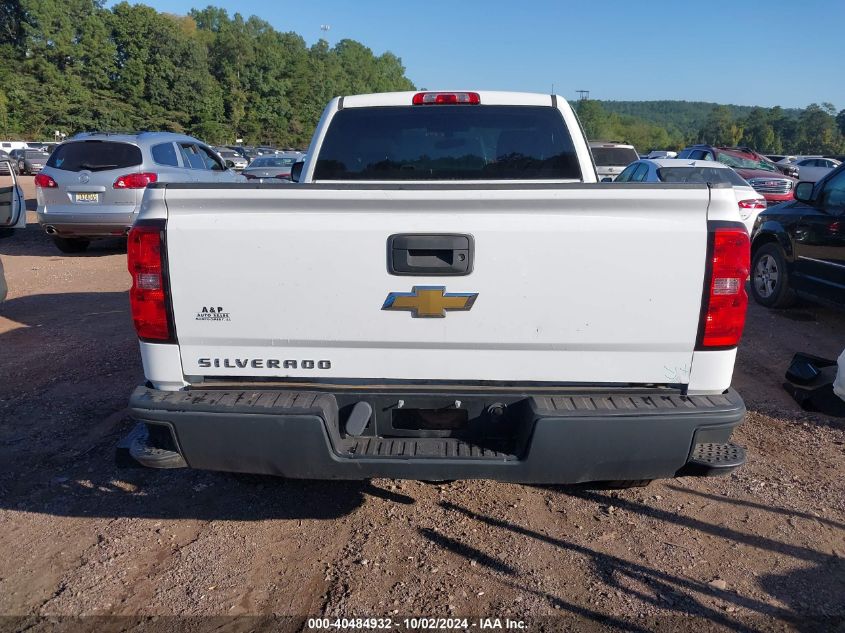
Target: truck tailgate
{"x":574,"y":283}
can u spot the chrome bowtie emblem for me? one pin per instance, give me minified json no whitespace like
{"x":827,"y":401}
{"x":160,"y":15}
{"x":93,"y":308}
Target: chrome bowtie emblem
{"x":429,"y":301}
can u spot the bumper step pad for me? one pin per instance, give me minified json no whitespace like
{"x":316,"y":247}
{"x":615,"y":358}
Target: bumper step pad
{"x":714,"y":459}
{"x":424,"y":448}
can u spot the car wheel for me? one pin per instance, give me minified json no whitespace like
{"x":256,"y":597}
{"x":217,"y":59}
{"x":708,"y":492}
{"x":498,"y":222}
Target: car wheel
{"x":770,"y":278}
{"x":71,"y":244}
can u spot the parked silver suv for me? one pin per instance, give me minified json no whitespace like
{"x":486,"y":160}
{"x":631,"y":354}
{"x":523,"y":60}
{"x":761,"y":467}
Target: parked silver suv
{"x":93,"y":183}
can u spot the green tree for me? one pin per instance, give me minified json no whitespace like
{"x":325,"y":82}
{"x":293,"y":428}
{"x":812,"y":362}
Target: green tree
{"x":818,"y":132}
{"x":75,"y":64}
{"x":593,"y":118}
{"x":720,"y":128}
{"x":840,"y":122}
{"x":758,"y":132}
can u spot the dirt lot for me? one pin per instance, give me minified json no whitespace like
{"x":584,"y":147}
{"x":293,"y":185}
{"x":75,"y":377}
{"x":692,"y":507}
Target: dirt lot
{"x":761,"y":549}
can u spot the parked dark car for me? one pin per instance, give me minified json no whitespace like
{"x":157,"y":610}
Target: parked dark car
{"x":278,"y":167}
{"x":239,"y":149}
{"x":30,"y":161}
{"x":798,"y":248}
{"x":760,"y":172}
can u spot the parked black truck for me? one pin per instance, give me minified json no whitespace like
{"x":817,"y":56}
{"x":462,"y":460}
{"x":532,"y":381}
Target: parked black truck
{"x":798,"y":247}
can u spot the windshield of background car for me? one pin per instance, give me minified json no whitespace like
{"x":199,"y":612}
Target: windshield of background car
{"x":614,"y":156}
{"x":738,"y":161}
{"x":36,"y":154}
{"x":94,"y":156}
{"x":701,"y":174}
{"x":447,"y":142}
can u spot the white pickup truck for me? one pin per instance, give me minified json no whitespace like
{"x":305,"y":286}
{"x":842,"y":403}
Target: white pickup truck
{"x":446,"y":293}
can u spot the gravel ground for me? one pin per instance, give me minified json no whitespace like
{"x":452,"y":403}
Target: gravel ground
{"x":761,"y":549}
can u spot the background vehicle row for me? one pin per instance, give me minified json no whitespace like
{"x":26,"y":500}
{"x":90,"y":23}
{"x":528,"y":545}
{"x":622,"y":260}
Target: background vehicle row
{"x":758,"y":171}
{"x":749,"y":201}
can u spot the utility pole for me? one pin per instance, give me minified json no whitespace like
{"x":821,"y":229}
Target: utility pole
{"x":583,"y":95}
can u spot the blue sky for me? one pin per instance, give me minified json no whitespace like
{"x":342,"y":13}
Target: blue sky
{"x":780,"y":53}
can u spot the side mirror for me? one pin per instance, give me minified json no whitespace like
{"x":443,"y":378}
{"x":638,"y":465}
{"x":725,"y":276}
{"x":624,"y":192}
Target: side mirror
{"x":230,"y":164}
{"x":607,"y":179}
{"x":296,"y":170}
{"x":804,"y":192}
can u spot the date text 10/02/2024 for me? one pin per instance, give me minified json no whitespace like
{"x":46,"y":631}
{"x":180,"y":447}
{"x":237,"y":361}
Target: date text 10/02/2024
{"x":416,"y":623}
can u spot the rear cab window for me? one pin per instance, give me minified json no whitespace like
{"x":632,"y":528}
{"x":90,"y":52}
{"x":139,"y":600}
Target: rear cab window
{"x":94,"y":156}
{"x":448,"y":142}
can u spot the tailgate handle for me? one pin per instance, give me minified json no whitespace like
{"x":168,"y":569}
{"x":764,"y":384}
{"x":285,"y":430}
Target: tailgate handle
{"x":429,"y":254}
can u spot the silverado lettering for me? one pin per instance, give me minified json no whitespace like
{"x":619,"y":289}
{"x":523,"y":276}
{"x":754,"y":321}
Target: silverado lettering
{"x":262,"y":363}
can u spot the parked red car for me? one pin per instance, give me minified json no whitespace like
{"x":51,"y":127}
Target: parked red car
{"x":774,"y":186}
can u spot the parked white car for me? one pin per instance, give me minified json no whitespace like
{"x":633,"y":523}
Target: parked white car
{"x":814,"y":169}
{"x":750,"y":203}
{"x":8,"y":146}
{"x":782,"y":159}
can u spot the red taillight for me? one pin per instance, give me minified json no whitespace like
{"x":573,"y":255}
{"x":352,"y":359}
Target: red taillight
{"x":147,"y":298}
{"x":747,"y":207}
{"x":442,"y":98}
{"x":724,"y":317}
{"x":44,"y":181}
{"x":135,"y":181}
{"x":752,"y":204}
